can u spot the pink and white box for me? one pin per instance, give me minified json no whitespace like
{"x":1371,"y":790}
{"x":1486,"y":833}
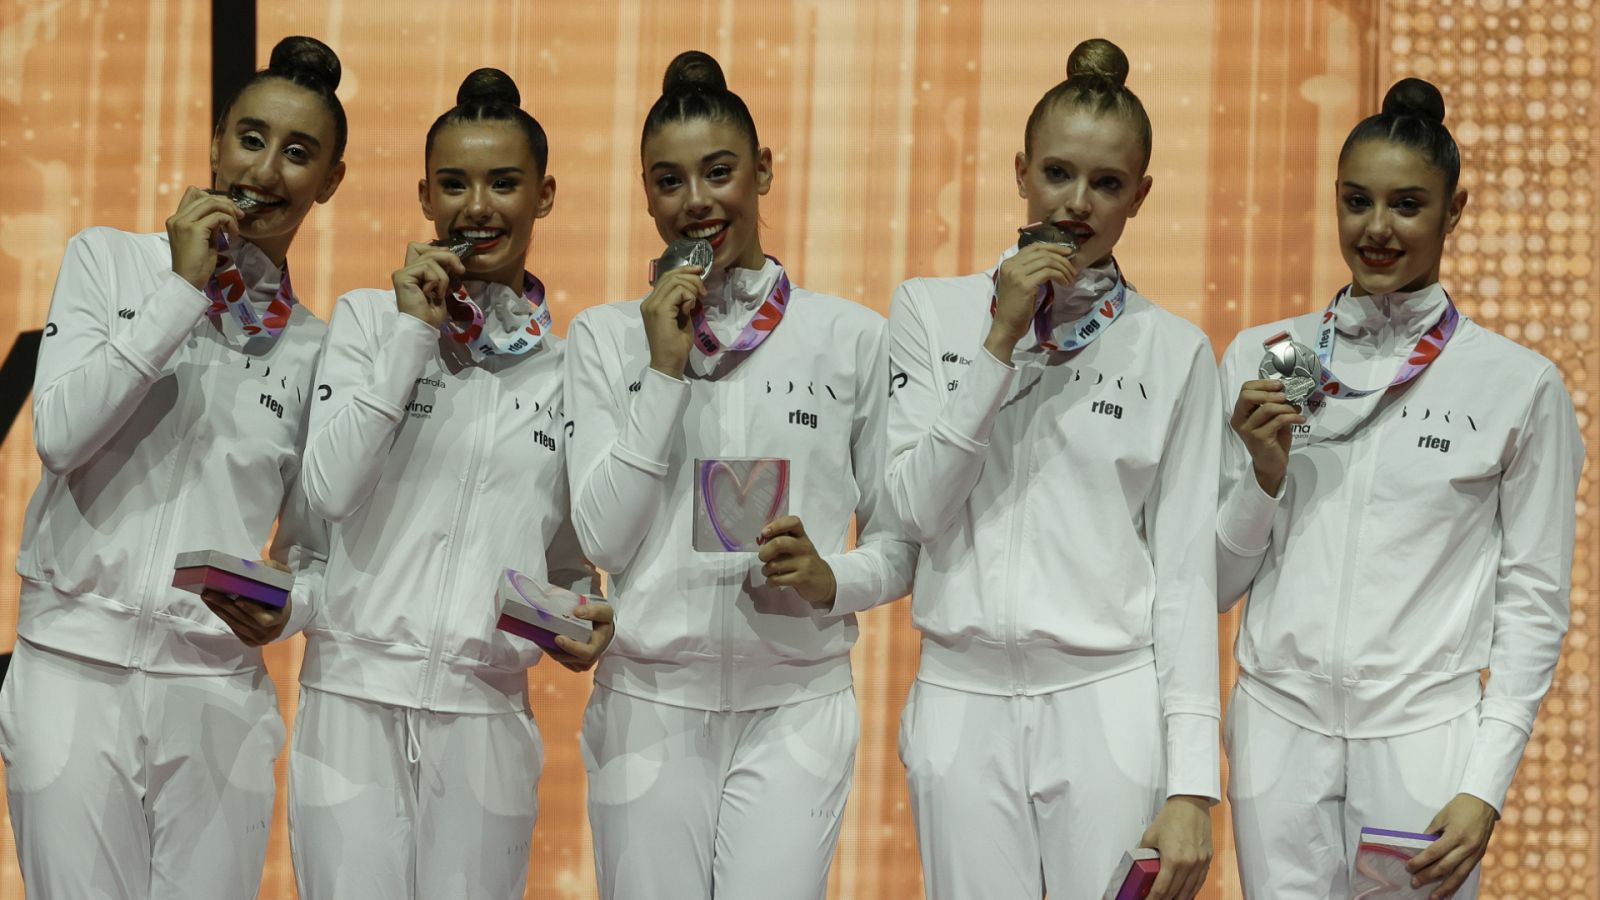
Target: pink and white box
{"x":1134,"y":876}
{"x":250,"y":579}
{"x":1381,"y":865}
{"x":538,"y":611}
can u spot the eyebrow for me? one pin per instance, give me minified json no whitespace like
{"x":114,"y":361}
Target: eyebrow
{"x":502,"y":170}
{"x":715,"y":154}
{"x":1102,"y":170}
{"x":298,"y":136}
{"x":1412,"y":189}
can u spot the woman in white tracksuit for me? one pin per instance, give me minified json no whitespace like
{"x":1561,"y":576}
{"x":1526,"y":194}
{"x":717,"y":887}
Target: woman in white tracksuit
{"x":1407,"y":529}
{"x":437,"y":447}
{"x":1051,"y":456}
{"x":137,"y":723}
{"x":721,"y":734}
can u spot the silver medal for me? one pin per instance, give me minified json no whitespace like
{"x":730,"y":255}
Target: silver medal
{"x":682,"y":253}
{"x":1046,"y":233}
{"x":461,"y":246}
{"x":245,"y":204}
{"x":1294,"y":364}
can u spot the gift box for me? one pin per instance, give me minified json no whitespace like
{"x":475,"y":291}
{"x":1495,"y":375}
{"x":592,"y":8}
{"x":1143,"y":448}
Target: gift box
{"x":538,"y":611}
{"x":734,"y":499}
{"x":248,"y":579}
{"x":1134,"y":876}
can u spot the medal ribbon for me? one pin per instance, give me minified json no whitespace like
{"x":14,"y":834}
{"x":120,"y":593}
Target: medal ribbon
{"x":765,"y":321}
{"x":1079,"y":333}
{"x":1428,"y":348}
{"x":227,"y":291}
{"x":464,"y":322}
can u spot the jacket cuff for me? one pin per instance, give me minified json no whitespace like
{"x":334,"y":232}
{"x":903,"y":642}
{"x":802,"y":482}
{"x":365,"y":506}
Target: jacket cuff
{"x":857,"y":583}
{"x":1244,"y":524}
{"x":1492,"y":762}
{"x":1194,"y":757}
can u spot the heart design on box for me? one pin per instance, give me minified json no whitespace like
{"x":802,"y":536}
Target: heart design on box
{"x":545,"y":598}
{"x":1385,"y":870}
{"x":739,"y":507}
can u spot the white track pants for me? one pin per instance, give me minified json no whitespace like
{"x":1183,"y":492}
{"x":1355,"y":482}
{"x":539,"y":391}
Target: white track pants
{"x":392,"y":802}
{"x":128,"y":785}
{"x":1301,"y":798}
{"x":688,"y":804}
{"x":1018,"y":796}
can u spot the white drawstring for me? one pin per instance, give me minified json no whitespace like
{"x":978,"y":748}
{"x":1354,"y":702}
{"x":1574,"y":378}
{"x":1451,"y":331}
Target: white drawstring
{"x":413,"y":746}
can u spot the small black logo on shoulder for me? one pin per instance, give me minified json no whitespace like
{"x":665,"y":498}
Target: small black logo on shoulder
{"x":324,"y":392}
{"x":124,"y":313}
{"x":50,"y":329}
{"x":956,"y":358}
{"x":634,"y":388}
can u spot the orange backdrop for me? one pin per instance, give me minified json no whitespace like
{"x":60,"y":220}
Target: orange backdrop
{"x":893,"y":124}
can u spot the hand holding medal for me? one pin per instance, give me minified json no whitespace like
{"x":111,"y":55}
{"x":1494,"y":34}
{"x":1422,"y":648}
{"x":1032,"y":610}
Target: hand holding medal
{"x":679,"y":284}
{"x":1267,"y":410}
{"x":192,"y":230}
{"x":1045,"y":254}
{"x":423,"y":284}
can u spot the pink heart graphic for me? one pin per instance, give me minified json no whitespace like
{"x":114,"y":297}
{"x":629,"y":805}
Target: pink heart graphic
{"x":738,"y":512}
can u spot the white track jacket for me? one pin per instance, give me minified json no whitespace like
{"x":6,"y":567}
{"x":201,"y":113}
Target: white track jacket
{"x":439,"y":473}
{"x":1422,"y":535}
{"x":161,"y":431}
{"x":1061,"y":504}
{"x":703,"y":630}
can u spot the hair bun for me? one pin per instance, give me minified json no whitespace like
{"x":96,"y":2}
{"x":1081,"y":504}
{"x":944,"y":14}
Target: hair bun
{"x":1416,"y":98}
{"x":485,"y":86}
{"x":1099,"y":57}
{"x":693,"y":70}
{"x":308,"y":57}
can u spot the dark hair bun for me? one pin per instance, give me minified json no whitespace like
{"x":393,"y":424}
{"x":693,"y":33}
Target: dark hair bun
{"x":1415,"y":98}
{"x":307,"y":57}
{"x":485,"y":86}
{"x":693,"y":70}
{"x":1100,"y":57}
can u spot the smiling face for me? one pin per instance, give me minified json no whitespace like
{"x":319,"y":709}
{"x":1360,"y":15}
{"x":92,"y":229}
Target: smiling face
{"x":484,"y":183}
{"x":1084,"y":172}
{"x":276,"y":147}
{"x":703,"y":180}
{"x":1394,"y":213}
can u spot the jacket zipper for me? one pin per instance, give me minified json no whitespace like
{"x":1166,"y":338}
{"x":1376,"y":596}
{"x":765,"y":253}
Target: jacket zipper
{"x":154,"y":582}
{"x":1018,"y":677}
{"x":742,"y":438}
{"x":468,"y":490}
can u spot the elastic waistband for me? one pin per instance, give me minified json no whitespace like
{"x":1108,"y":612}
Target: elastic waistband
{"x":397,"y":674}
{"x":1363,"y":709}
{"x":984,"y":667}
{"x":104,"y":629}
{"x":734,"y":685}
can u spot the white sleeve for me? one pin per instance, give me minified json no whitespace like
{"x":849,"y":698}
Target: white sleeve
{"x":1178,"y":516}
{"x":1538,"y":490}
{"x":301,"y":543}
{"x":881,"y":567}
{"x":936,"y":448}
{"x":1246,"y":512}
{"x":89,"y":380}
{"x":564,"y":563}
{"x":363,"y":383}
{"x":619,"y":454}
